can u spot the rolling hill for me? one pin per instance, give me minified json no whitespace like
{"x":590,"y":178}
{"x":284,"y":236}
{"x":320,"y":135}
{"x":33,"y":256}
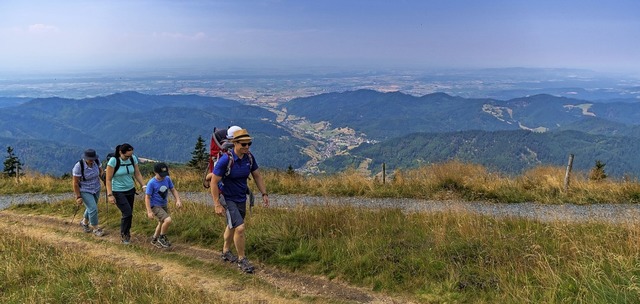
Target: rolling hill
{"x":511,"y":152}
{"x":383,"y":116}
{"x":50,"y":134}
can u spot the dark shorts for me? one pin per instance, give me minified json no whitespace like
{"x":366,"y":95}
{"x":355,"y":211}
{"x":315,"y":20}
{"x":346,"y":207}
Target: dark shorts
{"x":235,"y":212}
{"x":160,"y":212}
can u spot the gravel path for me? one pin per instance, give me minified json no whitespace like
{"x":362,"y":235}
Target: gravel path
{"x":610,"y":213}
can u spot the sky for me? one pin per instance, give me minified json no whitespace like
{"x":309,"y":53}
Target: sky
{"x":74,"y":35}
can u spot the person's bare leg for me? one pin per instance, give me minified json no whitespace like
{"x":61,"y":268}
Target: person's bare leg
{"x":238,"y":240}
{"x":158,"y":227}
{"x":165,"y":226}
{"x":228,"y":238}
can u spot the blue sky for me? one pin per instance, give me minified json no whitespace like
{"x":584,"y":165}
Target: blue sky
{"x":60,"y":36}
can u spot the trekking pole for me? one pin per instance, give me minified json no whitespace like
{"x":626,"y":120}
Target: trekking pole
{"x":252,"y":199}
{"x":106,"y":202}
{"x":74,"y":217}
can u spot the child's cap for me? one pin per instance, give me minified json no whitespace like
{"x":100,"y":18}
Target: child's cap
{"x":161,"y":169}
{"x":231,"y":130}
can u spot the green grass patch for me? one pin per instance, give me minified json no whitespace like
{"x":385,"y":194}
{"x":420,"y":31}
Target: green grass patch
{"x":34,"y":272}
{"x":440,"y":257}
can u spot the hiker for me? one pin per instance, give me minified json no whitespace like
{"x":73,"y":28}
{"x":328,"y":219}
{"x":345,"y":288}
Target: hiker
{"x":86,"y":186}
{"x":156,"y":202}
{"x":233,"y":201}
{"x":122,"y":171}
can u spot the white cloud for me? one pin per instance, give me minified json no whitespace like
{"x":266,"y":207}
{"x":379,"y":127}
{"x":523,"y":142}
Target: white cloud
{"x":180,"y":36}
{"x":42,"y":28}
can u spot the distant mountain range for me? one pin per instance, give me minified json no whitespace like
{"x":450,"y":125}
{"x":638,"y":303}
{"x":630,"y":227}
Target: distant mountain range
{"x":509,"y":136}
{"x":388,"y":115}
{"x":49,"y":134}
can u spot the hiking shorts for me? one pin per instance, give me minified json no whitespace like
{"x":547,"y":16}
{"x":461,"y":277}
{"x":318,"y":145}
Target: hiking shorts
{"x":235,"y":212}
{"x":160,"y":212}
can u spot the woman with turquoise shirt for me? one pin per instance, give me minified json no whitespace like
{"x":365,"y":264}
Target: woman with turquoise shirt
{"x":122,"y":173}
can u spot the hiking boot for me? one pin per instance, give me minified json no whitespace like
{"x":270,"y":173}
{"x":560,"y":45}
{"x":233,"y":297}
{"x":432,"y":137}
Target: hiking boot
{"x":126,"y":239}
{"x":154,"y":242}
{"x":229,"y":257}
{"x":85,"y":227}
{"x":245,"y":266}
{"x":98,"y":232}
{"x":162,"y":240}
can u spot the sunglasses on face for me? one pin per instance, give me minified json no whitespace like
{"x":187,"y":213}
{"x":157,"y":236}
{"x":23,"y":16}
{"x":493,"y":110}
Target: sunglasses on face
{"x":245,"y":144}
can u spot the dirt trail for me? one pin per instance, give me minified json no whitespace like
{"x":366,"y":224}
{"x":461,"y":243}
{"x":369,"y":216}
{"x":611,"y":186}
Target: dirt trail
{"x":282,"y":287}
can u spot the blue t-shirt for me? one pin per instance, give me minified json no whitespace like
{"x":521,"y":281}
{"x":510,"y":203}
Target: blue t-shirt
{"x":158,"y":190}
{"x":234,"y":186}
{"x":123,"y":179}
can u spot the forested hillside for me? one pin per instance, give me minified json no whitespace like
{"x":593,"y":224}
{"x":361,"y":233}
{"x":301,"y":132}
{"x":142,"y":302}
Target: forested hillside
{"x":505,"y":151}
{"x":387,"y":115}
{"x":50,"y":134}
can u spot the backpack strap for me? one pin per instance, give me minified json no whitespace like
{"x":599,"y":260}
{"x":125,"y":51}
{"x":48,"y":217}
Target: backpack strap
{"x":82,"y":169}
{"x":97,"y":161}
{"x":231,"y":162}
{"x":115,"y":169}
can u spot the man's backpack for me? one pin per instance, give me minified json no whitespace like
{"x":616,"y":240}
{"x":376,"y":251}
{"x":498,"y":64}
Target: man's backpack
{"x":219,"y":146}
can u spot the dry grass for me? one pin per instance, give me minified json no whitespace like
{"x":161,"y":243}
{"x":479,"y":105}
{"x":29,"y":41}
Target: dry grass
{"x":455,"y":256}
{"x":34,"y":182}
{"x":451,"y":180}
{"x":33,"y":271}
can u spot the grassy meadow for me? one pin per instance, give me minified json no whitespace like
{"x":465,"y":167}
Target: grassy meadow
{"x":34,"y":272}
{"x":435,"y":258}
{"x":443,"y":257}
{"x":451,"y":180}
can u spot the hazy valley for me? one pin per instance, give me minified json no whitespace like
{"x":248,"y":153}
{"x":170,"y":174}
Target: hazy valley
{"x":327,"y":124}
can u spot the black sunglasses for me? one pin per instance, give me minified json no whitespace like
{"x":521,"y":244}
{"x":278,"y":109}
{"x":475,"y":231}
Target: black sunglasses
{"x":245,"y":144}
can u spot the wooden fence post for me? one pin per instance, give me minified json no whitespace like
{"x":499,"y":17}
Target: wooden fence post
{"x":384,"y":173}
{"x":567,"y":173}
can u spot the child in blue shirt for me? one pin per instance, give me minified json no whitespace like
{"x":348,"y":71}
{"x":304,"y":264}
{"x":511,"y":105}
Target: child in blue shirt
{"x":156,"y":201}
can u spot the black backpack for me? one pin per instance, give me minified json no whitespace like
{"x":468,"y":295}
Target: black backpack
{"x":103,"y":176}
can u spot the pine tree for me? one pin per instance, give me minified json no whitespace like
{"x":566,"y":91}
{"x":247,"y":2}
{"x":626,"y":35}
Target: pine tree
{"x":290,"y":170}
{"x":597,"y":172}
{"x":12,"y":164}
{"x":199,"y":157}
